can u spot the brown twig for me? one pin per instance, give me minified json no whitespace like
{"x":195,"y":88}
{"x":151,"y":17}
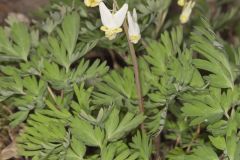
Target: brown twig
{"x":194,"y":138}
{"x":157,"y":147}
{"x":62,"y":94}
{"x":53,"y":96}
{"x":113,"y":57}
{"x":145,"y":45}
{"x":7,"y":109}
{"x":177,"y":141}
{"x":213,"y":7}
{"x":160,"y":21}
{"x":51,"y":93}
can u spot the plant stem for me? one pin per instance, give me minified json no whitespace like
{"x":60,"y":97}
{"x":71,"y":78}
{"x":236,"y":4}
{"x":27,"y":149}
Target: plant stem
{"x":7,"y":109}
{"x":136,"y":72}
{"x":51,"y":93}
{"x":157,"y":147}
{"x":136,"y":69}
{"x":198,"y":130}
{"x":160,"y":21}
{"x":62,"y":94}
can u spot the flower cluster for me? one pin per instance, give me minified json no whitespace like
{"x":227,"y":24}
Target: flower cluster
{"x":187,"y":10}
{"x":112,"y":21}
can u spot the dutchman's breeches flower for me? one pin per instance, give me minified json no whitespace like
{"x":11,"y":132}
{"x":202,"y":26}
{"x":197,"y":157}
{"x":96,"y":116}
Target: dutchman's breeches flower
{"x":92,"y":3}
{"x":112,"y":22}
{"x":134,"y":30}
{"x":181,"y":2}
{"x":187,"y":10}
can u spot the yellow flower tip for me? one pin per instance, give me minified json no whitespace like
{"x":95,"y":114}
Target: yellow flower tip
{"x":186,"y":12}
{"x":111,"y":33}
{"x":111,"y":37}
{"x":134,"y":38}
{"x":181,"y":2}
{"x":184,"y":19}
{"x":104,"y":28}
{"x":92,"y":3}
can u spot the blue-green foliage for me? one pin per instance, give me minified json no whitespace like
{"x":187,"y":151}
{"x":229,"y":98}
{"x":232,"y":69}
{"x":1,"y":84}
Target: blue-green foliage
{"x":75,"y":108}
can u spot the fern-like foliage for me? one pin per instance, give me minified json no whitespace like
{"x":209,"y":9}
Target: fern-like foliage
{"x":216,"y":62}
{"x":72,"y":107}
{"x":119,"y":88}
{"x":77,"y":133}
{"x":14,"y":47}
{"x":28,"y":84}
{"x":62,"y":80}
{"x":172,"y":73}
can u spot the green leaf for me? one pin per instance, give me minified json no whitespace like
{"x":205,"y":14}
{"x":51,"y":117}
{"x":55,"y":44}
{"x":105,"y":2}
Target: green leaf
{"x":117,"y":87}
{"x":217,"y":63}
{"x":43,"y":140}
{"x":59,"y":52}
{"x":203,"y":152}
{"x":118,"y":151}
{"x":159,"y":53}
{"x":56,"y":76}
{"x":204,"y":107}
{"x":21,"y":38}
{"x":88,"y":134}
{"x":18,"y":118}
{"x":116,"y":129}
{"x":218,"y":128}
{"x":86,"y":71}
{"x":218,"y":142}
{"x":109,"y":151}
{"x":69,"y":32}
{"x":20,"y":46}
{"x":177,"y":154}
{"x":156,"y":121}
{"x":83,"y":97}
{"x":77,"y":150}
{"x":143,"y":145}
{"x":233,"y":146}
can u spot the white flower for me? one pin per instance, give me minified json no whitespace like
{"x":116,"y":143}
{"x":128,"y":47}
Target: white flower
{"x":92,"y":3}
{"x":134,"y":30}
{"x":187,"y":10}
{"x":112,"y":22}
{"x":181,"y":2}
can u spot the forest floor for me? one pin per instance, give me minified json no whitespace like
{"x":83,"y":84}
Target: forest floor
{"x":22,"y":7}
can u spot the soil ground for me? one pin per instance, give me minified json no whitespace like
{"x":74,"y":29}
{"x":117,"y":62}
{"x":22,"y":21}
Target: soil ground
{"x":25,"y":7}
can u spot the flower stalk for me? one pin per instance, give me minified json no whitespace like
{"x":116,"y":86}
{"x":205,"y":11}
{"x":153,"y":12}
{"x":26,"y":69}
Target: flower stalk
{"x":135,"y":68}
